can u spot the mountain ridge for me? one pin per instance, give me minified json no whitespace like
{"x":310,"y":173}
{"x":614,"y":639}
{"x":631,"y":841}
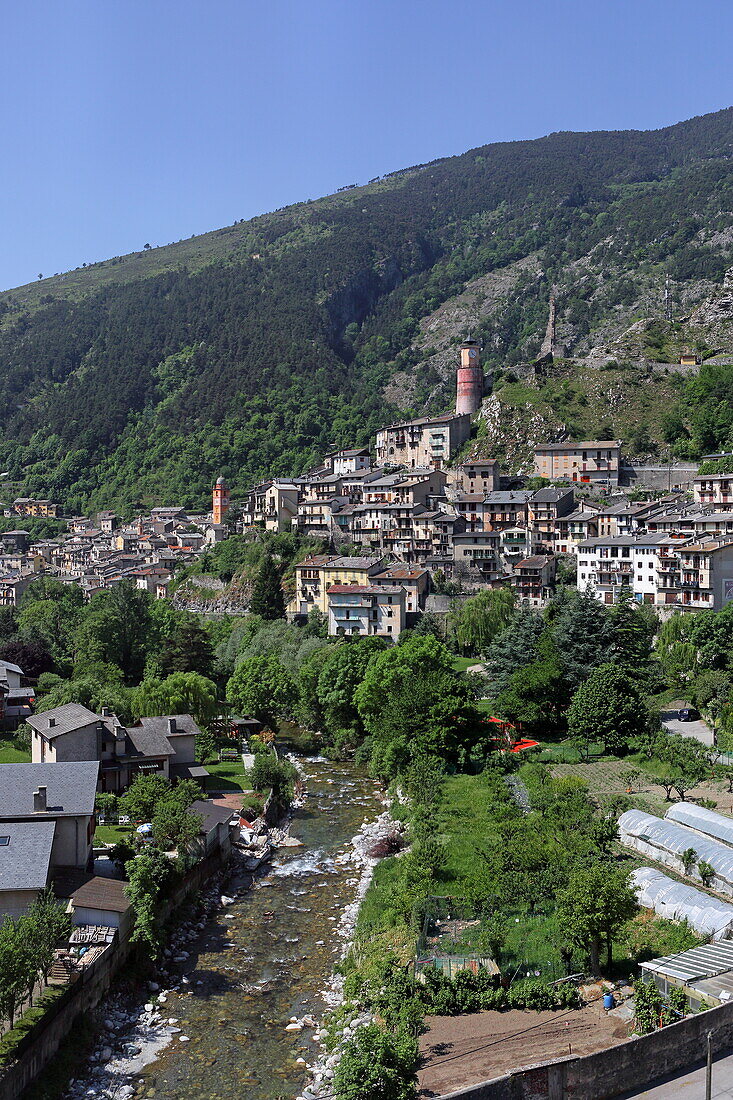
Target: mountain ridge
{"x":248,"y":350}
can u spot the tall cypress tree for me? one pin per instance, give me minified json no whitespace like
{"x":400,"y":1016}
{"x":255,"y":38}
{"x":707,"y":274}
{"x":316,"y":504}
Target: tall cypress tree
{"x":267,"y":594}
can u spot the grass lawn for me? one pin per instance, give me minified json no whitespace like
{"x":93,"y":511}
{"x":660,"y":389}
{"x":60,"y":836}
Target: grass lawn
{"x":462,"y":664}
{"x":10,"y":755}
{"x":112,"y":834}
{"x":227,"y":776}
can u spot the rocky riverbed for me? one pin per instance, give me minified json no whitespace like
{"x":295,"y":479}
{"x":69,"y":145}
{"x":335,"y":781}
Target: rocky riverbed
{"x":246,"y":982}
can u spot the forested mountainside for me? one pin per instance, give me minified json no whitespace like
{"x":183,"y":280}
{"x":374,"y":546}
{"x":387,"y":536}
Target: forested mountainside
{"x":252,"y":349}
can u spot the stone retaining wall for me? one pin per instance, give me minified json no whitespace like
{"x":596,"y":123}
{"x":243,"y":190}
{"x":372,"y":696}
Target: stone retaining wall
{"x":610,"y":1073}
{"x":47,"y":1036}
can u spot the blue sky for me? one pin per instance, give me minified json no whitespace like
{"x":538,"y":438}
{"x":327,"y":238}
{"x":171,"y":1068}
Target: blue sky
{"x":134,"y":121}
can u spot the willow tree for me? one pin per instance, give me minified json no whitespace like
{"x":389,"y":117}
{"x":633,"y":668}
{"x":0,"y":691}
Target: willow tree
{"x":475,"y":622}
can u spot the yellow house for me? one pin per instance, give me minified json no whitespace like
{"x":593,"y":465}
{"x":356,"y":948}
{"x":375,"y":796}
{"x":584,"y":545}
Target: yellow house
{"x":315,"y":575}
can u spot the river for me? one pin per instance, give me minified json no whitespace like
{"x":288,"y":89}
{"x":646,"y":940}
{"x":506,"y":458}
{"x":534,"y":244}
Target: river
{"x":267,"y":958}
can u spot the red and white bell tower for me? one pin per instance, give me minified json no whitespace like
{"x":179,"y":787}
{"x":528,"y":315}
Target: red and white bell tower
{"x":220,"y":500}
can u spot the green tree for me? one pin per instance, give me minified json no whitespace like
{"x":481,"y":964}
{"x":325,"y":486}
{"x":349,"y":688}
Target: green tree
{"x":269,"y":773}
{"x":117,"y":628}
{"x":534,"y":694}
{"x":180,"y":693}
{"x":476,"y":621}
{"x":597,"y":902}
{"x":267,"y":598}
{"x":148,"y":876}
{"x":513,"y":648}
{"x":633,"y":627}
{"x":582,"y":633}
{"x":144,"y":795}
{"x":175,"y":826}
{"x":189,"y":649}
{"x":262,"y":688}
{"x":341,"y":673}
{"x":607,"y":708}
{"x":412,"y":702}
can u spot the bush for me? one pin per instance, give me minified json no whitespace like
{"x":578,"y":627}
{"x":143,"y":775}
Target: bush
{"x":386,"y":846}
{"x":376,"y":1064}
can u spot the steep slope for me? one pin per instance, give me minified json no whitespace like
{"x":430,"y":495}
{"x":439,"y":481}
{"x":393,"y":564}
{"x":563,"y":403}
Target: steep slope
{"x":250,"y":349}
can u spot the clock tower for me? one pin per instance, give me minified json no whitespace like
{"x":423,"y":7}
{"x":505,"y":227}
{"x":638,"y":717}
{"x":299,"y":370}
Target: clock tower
{"x":219,"y":500}
{"x":469,"y":379}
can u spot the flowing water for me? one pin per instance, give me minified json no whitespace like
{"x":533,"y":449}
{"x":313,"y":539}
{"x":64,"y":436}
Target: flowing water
{"x":267,"y":958}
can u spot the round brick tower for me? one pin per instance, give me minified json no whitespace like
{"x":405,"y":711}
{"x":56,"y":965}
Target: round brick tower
{"x":469,"y":379}
{"x":220,"y":500}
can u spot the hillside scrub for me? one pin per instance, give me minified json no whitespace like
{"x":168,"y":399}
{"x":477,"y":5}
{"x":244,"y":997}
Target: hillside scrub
{"x":253,"y":350}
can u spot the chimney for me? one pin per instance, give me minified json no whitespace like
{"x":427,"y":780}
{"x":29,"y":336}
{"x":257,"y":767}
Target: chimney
{"x":106,"y":712}
{"x":51,"y":722}
{"x":39,"y":801}
{"x":172,"y":725}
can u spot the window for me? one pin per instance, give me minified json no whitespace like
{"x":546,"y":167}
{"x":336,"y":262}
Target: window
{"x":4,"y":841}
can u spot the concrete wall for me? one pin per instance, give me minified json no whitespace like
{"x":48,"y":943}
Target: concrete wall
{"x":72,"y":843}
{"x":659,"y":477}
{"x":14,"y":903}
{"x":48,"y":1035}
{"x":42,"y":1043}
{"x":610,"y":1073}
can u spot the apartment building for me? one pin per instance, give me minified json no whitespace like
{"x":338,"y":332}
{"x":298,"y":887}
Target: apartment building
{"x":480,"y":475}
{"x":428,"y":441}
{"x":545,"y":507}
{"x":595,"y":461}
{"x":696,"y":574}
{"x":613,"y":564}
{"x":316,"y":574}
{"x":715,"y":490}
{"x":533,"y":580}
{"x":366,"y":610}
{"x":348,"y":461}
{"x":576,"y":527}
{"x":415,"y":581}
{"x":478,"y":553}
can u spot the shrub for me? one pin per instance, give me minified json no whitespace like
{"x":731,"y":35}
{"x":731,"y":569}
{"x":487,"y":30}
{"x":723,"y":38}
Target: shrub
{"x":386,"y":846}
{"x":376,"y":1063}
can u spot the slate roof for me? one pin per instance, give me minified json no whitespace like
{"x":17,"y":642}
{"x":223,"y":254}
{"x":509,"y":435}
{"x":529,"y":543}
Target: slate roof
{"x":71,"y":788}
{"x":148,"y":742}
{"x":185,"y":725}
{"x":211,"y":813}
{"x":550,"y":495}
{"x":69,"y":717}
{"x":24,"y":862}
{"x":582,"y":445}
{"x":354,"y":563}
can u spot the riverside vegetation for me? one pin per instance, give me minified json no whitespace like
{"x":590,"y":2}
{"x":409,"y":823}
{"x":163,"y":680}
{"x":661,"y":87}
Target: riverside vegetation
{"x":528,"y":855}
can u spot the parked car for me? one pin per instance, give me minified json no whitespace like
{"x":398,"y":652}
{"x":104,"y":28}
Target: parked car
{"x":688,"y":714}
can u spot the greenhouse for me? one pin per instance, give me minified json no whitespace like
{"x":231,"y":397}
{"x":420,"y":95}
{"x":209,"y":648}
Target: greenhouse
{"x":665,"y":842}
{"x":701,"y":820}
{"x":676,"y":901}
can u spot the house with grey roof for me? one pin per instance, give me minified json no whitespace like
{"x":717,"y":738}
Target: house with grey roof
{"x":164,"y":745}
{"x":61,"y":794}
{"x":25,"y":863}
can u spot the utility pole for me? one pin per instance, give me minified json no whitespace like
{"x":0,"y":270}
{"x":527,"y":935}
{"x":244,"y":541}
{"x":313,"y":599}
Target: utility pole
{"x":709,"y":1069}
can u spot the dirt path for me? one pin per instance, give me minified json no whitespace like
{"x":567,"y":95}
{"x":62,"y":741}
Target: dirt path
{"x":463,"y":1050}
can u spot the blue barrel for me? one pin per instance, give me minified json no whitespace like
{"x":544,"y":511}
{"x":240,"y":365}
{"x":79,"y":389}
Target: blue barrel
{"x":609,"y":1001}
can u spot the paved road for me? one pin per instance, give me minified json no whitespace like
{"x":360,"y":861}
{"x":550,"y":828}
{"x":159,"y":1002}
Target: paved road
{"x":699,"y":730}
{"x":691,"y":1086}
